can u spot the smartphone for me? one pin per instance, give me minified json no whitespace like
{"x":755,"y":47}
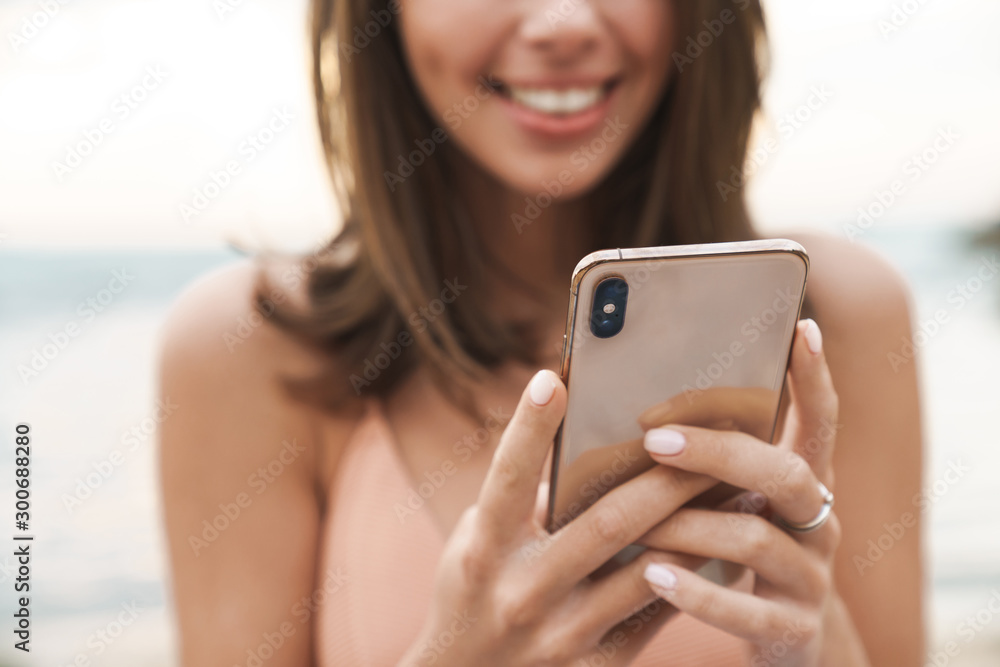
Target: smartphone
{"x":707,"y":328}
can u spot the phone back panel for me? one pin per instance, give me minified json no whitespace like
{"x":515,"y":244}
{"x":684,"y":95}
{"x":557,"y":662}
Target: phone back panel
{"x":700,"y":322}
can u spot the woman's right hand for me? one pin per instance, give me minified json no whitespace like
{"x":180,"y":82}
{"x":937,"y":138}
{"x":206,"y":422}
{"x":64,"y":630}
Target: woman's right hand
{"x":509,"y":593}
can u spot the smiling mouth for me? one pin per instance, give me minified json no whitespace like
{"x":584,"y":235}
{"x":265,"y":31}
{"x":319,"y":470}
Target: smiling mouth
{"x":561,"y":101}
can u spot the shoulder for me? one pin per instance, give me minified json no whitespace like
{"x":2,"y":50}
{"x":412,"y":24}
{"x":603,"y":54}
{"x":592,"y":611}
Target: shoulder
{"x":852,"y":285}
{"x":221,"y":352}
{"x":241,"y":558}
{"x":215,"y":321}
{"x":862,"y":305}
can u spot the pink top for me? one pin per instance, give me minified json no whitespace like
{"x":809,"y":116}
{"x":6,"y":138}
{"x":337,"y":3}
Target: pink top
{"x":387,"y":565}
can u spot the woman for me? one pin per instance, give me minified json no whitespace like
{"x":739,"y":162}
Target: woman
{"x":355,"y":473}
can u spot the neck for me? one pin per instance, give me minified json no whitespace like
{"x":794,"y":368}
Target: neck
{"x":541,"y":246}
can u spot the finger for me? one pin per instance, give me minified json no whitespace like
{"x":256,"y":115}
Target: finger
{"x":639,"y":629}
{"x":782,"y":476}
{"x":542,"y":503}
{"x":623,"y":594}
{"x":593,"y":472}
{"x":744,"y":615}
{"x":746,"y":539}
{"x":615,"y":521}
{"x":507,"y":497}
{"x":748,"y":409}
{"x":812,"y":425}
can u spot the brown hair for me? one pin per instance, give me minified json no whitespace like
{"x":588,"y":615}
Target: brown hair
{"x":399,"y":244}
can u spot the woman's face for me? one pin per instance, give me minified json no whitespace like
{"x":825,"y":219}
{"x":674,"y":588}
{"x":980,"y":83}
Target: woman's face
{"x":546,"y":95}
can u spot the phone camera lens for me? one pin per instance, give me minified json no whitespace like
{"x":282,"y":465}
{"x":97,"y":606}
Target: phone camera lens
{"x":607,"y":315}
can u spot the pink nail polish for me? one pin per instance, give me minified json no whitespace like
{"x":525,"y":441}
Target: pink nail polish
{"x":660,"y":578}
{"x":541,"y":388}
{"x":814,"y":339}
{"x":664,"y":441}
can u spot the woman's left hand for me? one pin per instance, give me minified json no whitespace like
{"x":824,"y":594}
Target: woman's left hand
{"x":794,"y":605}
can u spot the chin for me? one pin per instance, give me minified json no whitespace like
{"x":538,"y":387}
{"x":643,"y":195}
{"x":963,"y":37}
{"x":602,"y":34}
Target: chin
{"x":541,"y":179}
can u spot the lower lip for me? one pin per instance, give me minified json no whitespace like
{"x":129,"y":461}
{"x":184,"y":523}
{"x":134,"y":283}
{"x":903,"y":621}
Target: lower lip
{"x":563,"y":126}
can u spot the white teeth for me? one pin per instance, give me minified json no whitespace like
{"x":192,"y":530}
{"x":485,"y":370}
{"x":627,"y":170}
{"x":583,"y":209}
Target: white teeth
{"x":546,"y":100}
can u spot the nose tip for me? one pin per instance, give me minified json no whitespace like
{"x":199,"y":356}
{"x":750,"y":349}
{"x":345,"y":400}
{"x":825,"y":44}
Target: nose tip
{"x":564,"y":30}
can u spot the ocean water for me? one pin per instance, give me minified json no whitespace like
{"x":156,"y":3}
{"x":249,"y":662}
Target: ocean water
{"x":99,"y":545}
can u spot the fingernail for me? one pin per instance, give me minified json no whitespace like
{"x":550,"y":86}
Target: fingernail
{"x":664,"y":441}
{"x":661,"y":579}
{"x":814,"y":339}
{"x":541,"y":388}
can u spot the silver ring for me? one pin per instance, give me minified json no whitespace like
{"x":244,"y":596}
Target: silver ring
{"x":813,"y":524}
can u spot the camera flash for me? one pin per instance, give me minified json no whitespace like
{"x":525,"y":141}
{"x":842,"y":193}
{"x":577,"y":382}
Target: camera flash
{"x":609,"y":308}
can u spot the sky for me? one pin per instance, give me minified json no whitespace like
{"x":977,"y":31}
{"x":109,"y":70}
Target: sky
{"x":869,"y":102}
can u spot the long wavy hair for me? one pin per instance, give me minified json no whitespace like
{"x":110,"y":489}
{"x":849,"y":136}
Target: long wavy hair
{"x":401,"y":241}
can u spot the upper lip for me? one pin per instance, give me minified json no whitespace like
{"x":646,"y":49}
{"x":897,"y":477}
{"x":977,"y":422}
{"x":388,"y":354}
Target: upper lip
{"x":560,"y":83}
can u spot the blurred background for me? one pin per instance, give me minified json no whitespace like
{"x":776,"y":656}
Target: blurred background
{"x":117,"y":117}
